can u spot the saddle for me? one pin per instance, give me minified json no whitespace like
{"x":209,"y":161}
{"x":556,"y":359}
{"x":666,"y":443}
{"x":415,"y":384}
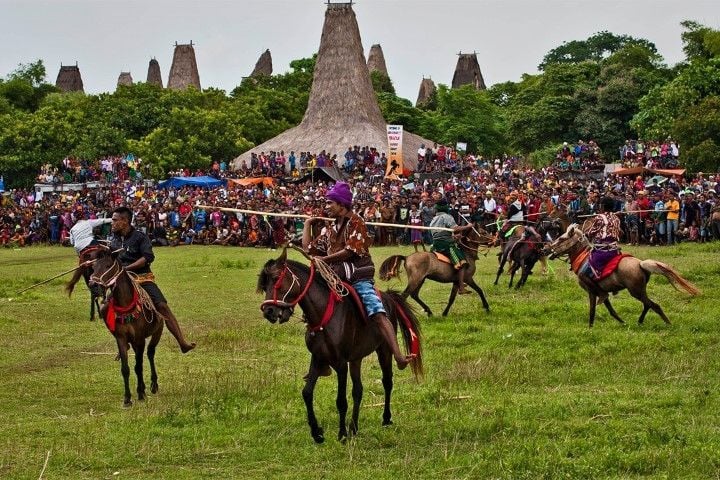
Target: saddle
{"x":442,"y":257}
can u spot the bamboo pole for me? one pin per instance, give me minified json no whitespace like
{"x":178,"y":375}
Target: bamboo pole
{"x":50,"y":279}
{"x":300,"y":215}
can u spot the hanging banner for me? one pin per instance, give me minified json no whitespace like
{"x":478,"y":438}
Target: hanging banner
{"x":394,"y":166}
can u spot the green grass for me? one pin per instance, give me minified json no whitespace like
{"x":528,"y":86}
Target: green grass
{"x":526,"y":391}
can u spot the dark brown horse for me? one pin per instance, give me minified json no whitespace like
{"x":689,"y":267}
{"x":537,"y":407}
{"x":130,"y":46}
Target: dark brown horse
{"x":130,"y":317}
{"x":631,"y":273}
{"x":421,"y":266}
{"x":85,"y":271}
{"x":525,"y":250}
{"x":337,"y":334}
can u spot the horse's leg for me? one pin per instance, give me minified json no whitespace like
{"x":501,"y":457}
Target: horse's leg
{"x":124,"y":368}
{"x":612,"y":311}
{"x":500,"y":269}
{"x":385,"y":361}
{"x":154,"y":340}
{"x":524,"y":272}
{"x":451,"y":300}
{"x":139,"y":348}
{"x":593,"y":300}
{"x":415,"y":295}
{"x":307,"y":393}
{"x":479,"y":291}
{"x":357,"y":394}
{"x":641,"y":294}
{"x":513,"y":268}
{"x":341,"y":400}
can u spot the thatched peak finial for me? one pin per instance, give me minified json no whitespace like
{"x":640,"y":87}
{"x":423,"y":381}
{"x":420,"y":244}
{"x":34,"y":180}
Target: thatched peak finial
{"x":467,"y":72}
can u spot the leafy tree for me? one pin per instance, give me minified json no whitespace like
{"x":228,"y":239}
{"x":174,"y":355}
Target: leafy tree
{"x":381,"y":83}
{"x":698,"y":130}
{"x":596,"y":48}
{"x":25,"y":88}
{"x":399,"y":111}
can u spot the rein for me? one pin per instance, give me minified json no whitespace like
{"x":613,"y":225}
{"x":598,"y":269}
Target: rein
{"x":111,"y":273}
{"x":283,"y":303}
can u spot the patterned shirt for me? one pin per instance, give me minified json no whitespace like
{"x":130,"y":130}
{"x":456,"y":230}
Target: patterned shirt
{"x":345,"y":233}
{"x":605,"y":229}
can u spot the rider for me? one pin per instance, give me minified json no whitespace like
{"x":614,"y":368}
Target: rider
{"x":515,"y":215}
{"x":603,"y":233}
{"x":85,"y":232}
{"x":345,"y":246}
{"x":136,"y":256}
{"x":444,"y":242}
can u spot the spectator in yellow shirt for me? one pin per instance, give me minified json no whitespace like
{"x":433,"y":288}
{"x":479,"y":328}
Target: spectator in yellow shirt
{"x":673,"y":214}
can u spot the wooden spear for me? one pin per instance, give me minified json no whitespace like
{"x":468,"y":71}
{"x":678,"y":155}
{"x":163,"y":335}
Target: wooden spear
{"x":300,"y":215}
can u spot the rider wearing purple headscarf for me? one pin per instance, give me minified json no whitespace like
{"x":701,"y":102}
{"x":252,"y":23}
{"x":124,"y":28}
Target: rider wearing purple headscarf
{"x":345,"y":245}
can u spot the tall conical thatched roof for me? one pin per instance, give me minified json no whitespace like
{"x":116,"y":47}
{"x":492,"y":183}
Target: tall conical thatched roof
{"x":263,"y":65}
{"x":125,"y":79}
{"x":467,"y":72}
{"x":153,"y":76}
{"x":376,"y":60}
{"x":184,"y":70}
{"x":342,"y":109}
{"x":69,"y":79}
{"x":427,"y":88}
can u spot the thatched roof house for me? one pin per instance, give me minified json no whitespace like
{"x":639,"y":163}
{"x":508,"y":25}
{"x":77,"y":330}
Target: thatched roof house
{"x":153,"y":76}
{"x":376,"y":60}
{"x":184,"y":70}
{"x":467,"y":72}
{"x":342,"y":109}
{"x":263,"y":65}
{"x":69,"y":79}
{"x":125,"y":79}
{"x":427,"y":89}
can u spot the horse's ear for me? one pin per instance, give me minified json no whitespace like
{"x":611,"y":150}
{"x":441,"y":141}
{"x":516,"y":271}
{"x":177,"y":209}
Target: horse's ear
{"x":283,"y":256}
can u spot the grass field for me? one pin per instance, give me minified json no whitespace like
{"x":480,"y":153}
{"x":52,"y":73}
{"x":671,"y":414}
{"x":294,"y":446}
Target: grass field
{"x":526,"y":391}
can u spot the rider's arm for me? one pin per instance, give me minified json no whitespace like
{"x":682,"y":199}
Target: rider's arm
{"x":307,"y":232}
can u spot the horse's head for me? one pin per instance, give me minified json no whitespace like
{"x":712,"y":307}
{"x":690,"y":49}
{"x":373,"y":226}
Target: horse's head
{"x":106,"y":268}
{"x":565,"y":242}
{"x":282,"y":288}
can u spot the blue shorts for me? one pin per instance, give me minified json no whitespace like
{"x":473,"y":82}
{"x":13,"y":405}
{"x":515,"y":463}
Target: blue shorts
{"x":368,"y":295}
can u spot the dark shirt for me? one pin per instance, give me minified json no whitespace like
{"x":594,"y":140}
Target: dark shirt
{"x":135,"y":246}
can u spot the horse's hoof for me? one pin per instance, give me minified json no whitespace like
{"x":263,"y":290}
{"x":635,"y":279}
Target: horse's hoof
{"x":353,"y":429}
{"x":387,"y":423}
{"x":342,"y":437}
{"x":127,"y":403}
{"x":319,"y":438}
{"x":154,"y":388}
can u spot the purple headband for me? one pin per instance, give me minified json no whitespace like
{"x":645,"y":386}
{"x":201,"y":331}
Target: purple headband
{"x":340,"y":193}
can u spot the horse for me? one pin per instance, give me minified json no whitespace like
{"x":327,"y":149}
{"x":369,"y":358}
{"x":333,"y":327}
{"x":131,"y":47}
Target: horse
{"x":84,"y":271}
{"x":631,"y":273}
{"x":524,"y":251}
{"x":131,"y":318}
{"x":337,"y":334}
{"x":421,"y":266}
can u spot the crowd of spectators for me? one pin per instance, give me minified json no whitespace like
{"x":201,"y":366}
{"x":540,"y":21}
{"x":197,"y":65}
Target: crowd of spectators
{"x":650,"y":154}
{"x":474,"y":187}
{"x":580,"y":157}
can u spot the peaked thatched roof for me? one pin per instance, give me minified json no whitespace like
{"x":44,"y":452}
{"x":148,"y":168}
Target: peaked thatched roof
{"x":153,"y":76}
{"x":427,"y":88}
{"x":342,"y":109}
{"x":467,"y":72}
{"x":125,"y":79}
{"x":69,"y":79}
{"x":376,"y":60}
{"x":184,"y":70}
{"x":263,"y":65}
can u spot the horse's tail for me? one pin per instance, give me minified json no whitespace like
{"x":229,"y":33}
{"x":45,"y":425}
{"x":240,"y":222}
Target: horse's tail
{"x":409,"y":326}
{"x":70,"y":285}
{"x":391,"y":267}
{"x":653,"y":266}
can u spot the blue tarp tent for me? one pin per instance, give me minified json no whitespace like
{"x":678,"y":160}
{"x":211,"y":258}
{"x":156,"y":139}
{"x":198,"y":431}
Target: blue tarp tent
{"x":205,"y":182}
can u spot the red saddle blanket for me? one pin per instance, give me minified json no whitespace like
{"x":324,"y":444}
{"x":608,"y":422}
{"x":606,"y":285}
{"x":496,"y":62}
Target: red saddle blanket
{"x":612,"y":265}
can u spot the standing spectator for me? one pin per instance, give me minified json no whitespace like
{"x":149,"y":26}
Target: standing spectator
{"x":673,"y":214}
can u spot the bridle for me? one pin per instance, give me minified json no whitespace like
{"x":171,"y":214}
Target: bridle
{"x":108,"y":278}
{"x":283,"y":301}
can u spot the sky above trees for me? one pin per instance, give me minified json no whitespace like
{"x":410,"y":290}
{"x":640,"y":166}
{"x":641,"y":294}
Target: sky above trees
{"x":419,"y":38}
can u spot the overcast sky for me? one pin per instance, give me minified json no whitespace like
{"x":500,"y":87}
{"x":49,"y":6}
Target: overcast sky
{"x":419,"y":38}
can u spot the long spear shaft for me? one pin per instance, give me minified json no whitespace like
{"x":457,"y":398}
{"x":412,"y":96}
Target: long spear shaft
{"x":300,"y":215}
{"x":50,"y":279}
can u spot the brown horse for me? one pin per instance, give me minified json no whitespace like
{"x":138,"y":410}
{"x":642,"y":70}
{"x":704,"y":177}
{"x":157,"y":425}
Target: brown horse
{"x":421,"y":266}
{"x":131,"y":318}
{"x":84,"y":271}
{"x":337,"y":334}
{"x":631,"y":273}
